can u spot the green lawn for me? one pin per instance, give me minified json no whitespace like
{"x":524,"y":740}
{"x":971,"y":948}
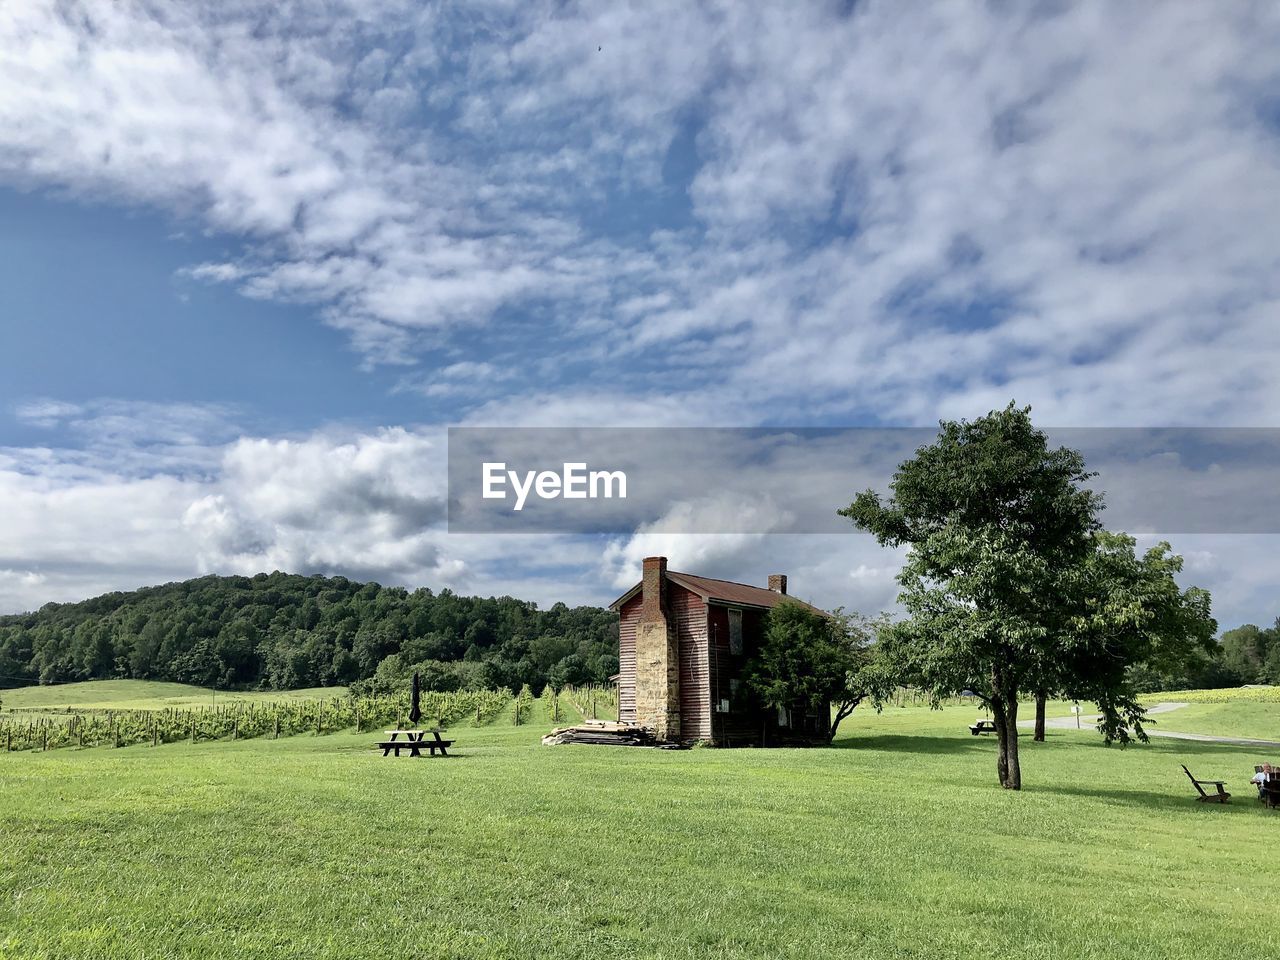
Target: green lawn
{"x":144,"y":695}
{"x":1260,"y":721}
{"x":895,"y":843}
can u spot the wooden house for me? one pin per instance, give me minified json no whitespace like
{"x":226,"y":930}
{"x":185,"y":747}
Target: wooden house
{"x":683,"y":643}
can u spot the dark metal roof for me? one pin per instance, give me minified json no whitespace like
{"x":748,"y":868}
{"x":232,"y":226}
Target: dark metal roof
{"x":718,"y":591}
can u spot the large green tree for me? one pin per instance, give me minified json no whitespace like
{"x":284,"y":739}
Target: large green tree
{"x":1010,"y":585}
{"x":1130,"y":612}
{"x":812,"y":658}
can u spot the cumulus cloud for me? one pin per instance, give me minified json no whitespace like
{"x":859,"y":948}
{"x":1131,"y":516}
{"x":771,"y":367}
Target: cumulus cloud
{"x":659,"y":214}
{"x":876,"y":212}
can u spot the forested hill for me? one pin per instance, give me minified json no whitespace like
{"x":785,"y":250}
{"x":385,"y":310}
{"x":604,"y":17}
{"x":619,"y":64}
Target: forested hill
{"x":283,"y":631}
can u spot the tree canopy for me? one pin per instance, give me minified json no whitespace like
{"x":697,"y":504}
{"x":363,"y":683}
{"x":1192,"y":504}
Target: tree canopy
{"x":285,"y":631}
{"x":811,"y":658}
{"x":1011,"y":586}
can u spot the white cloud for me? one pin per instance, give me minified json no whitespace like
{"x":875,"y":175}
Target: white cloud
{"x":887,"y":216}
{"x":1099,"y":184}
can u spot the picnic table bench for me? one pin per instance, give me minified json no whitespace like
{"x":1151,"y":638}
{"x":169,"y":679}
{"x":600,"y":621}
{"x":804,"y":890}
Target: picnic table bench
{"x":415,"y":741}
{"x":982,"y":726}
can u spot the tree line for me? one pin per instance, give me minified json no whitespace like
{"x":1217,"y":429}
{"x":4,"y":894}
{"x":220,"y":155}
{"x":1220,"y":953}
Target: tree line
{"x":286,"y":631}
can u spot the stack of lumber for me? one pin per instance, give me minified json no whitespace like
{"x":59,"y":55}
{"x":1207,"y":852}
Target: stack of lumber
{"x":602,"y":733}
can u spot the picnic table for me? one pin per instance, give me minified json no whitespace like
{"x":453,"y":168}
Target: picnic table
{"x":415,"y":741}
{"x":982,"y":726}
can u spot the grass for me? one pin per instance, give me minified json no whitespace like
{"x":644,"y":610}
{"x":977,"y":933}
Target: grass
{"x":1251,"y":694}
{"x":894,"y":843}
{"x":144,"y":695}
{"x":1242,"y":718}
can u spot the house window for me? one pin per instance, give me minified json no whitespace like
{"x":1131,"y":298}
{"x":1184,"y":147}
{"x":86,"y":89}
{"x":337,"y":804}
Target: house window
{"x":735,"y":631}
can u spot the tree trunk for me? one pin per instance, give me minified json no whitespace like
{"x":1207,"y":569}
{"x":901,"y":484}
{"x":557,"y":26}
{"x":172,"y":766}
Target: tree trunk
{"x":1004,"y":712}
{"x":1013,"y":769}
{"x":1002,"y":735}
{"x":1041,"y":697}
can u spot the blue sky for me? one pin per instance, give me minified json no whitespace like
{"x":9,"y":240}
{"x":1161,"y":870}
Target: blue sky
{"x":254,"y":259}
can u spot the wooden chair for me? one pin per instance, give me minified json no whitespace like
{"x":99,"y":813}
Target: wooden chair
{"x":1269,"y":788}
{"x":1220,"y":797}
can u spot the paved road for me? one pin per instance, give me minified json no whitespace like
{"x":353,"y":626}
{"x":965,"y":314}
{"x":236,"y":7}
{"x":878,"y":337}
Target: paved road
{"x":1087,"y":723}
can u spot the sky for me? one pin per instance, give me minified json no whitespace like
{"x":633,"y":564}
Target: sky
{"x":255,"y":259}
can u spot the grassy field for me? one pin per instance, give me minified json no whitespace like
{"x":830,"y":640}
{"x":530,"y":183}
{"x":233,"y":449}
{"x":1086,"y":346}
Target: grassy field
{"x":894,"y":843}
{"x":144,"y":695}
{"x":1260,"y":721}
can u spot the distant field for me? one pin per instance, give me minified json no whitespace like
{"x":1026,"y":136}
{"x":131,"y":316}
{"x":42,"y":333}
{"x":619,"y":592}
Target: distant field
{"x":145,"y":695}
{"x":1259,"y":721}
{"x":895,"y":843}
{"x":1225,"y":695}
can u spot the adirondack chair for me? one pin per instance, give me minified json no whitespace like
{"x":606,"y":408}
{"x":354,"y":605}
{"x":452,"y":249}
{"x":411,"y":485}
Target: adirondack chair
{"x":1220,"y":797}
{"x":1269,"y":787}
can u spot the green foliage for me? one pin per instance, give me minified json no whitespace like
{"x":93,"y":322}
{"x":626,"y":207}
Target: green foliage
{"x":1220,"y":695}
{"x":93,"y":727}
{"x":1129,"y":611}
{"x":1011,"y":586}
{"x":281,"y":631}
{"x":812,"y":659}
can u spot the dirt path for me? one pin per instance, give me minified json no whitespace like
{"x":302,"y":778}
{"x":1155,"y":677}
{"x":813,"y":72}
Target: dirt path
{"x":1087,"y":722}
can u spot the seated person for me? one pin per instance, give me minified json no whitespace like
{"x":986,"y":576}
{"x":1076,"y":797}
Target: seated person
{"x":1262,"y":776}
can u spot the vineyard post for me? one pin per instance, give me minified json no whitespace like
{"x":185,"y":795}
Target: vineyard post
{"x":319,"y":710}
{"x":235,"y":728}
{"x":357,"y":717}
{"x":153,"y":731}
{"x":477,"y":713}
{"x":193,"y":728}
{"x":276,"y":734}
{"x":115,"y":733}
{"x":593,"y":705}
{"x":44,"y":738}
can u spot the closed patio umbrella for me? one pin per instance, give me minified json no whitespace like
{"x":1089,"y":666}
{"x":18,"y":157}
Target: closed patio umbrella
{"x":415,"y":710}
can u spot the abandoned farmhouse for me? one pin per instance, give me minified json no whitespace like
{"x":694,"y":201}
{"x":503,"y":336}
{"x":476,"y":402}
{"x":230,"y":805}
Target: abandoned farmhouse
{"x":683,"y":643}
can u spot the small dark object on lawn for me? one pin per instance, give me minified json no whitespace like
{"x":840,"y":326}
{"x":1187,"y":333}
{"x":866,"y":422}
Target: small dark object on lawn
{"x":1220,"y":797}
{"x":415,"y":694}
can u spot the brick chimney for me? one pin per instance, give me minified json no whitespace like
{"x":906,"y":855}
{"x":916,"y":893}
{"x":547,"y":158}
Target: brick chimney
{"x":778,"y":582}
{"x":657,"y":656}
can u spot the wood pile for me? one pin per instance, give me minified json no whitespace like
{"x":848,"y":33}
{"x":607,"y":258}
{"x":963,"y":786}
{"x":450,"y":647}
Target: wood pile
{"x":603,"y":733}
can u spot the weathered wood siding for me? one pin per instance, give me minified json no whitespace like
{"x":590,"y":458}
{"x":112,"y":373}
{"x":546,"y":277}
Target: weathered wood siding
{"x":628,"y":616}
{"x":688,"y":616}
{"x":742,"y":724}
